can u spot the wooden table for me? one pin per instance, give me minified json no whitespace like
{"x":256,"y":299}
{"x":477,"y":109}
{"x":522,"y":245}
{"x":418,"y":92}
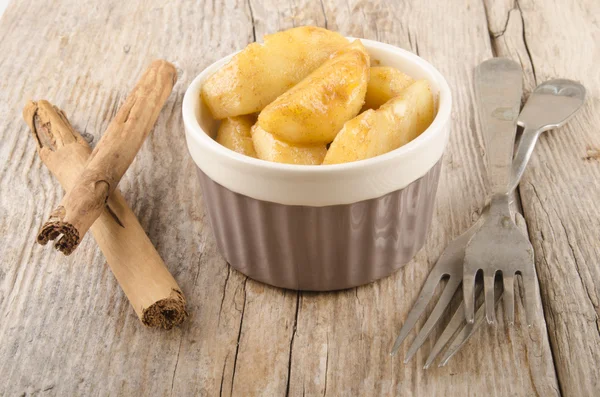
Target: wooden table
{"x":66,"y":327}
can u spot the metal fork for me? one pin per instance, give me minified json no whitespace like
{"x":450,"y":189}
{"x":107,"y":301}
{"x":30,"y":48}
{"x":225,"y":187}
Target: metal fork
{"x":556,"y":101}
{"x":549,"y":106}
{"x":499,"y":246}
{"x":450,"y":263}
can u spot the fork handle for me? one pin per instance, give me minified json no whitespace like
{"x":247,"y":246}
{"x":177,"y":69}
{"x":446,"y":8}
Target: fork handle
{"x":522,"y":156}
{"x":499,"y":145}
{"x":498,"y":87}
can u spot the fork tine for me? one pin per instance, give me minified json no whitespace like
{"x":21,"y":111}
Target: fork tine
{"x":435,"y":315}
{"x":469,"y":296}
{"x":418,"y":308}
{"x":509,"y":298}
{"x":465,"y":333}
{"x":454,"y":325}
{"x":456,"y":322}
{"x":529,"y":287}
{"x":488,"y":283}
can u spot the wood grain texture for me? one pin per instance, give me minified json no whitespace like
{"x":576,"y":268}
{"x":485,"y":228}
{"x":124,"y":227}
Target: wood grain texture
{"x":561,"y":185}
{"x":71,"y":331}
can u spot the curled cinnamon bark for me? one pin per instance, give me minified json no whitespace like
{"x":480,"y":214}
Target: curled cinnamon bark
{"x":139,"y":269}
{"x":115,"y":151}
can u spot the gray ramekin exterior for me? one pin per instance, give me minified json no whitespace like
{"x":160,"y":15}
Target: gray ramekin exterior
{"x":321,"y":248}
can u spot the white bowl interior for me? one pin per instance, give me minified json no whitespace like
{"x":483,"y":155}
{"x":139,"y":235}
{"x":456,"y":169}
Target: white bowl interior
{"x":324,"y":184}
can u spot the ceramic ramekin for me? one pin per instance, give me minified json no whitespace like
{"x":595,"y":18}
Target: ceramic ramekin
{"x":321,"y":227}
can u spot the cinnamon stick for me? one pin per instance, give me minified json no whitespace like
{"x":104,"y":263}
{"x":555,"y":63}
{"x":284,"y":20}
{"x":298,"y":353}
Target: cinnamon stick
{"x":115,"y":151}
{"x":137,"y":266}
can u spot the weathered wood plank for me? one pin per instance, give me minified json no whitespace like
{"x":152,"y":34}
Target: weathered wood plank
{"x":560,"y":187}
{"x":66,"y":327}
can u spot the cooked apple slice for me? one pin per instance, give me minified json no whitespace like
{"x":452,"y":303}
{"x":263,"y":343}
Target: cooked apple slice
{"x":315,"y":109}
{"x":385,"y":83}
{"x":270,"y":148}
{"x":262,"y":72}
{"x":394,"y":124}
{"x":234,"y":134}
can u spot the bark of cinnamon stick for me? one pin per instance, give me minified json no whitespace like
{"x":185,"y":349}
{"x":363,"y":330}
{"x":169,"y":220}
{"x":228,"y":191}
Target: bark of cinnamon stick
{"x":139,"y":269}
{"x":115,"y":151}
